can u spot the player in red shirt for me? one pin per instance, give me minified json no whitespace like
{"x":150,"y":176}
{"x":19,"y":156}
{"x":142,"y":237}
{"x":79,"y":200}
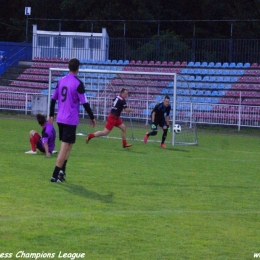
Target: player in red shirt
{"x":113,"y":119}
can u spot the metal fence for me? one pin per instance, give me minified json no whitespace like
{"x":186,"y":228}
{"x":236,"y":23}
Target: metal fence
{"x":166,"y":49}
{"x":177,"y":49}
{"x":217,"y":114}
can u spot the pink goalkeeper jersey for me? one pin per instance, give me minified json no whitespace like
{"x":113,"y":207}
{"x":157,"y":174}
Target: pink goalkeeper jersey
{"x":70,"y":93}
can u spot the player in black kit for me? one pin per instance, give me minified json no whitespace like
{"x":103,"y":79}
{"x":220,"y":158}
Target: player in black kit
{"x":113,"y":119}
{"x":160,"y":116}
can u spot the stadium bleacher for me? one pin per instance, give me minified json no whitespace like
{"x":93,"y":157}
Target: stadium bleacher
{"x":208,"y":83}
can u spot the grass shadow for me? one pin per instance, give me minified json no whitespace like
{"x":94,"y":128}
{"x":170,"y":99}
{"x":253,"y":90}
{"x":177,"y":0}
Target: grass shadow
{"x":88,"y":194}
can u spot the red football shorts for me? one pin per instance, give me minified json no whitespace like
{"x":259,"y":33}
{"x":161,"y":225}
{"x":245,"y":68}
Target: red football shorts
{"x":113,"y":121}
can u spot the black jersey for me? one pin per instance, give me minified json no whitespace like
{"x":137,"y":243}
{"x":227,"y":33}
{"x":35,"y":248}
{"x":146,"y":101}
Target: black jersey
{"x":119,"y":104}
{"x":160,"y":111}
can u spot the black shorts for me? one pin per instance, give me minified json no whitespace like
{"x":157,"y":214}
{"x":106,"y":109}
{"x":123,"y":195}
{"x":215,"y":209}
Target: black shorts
{"x":40,"y":146}
{"x":67,"y":133}
{"x":160,"y":122}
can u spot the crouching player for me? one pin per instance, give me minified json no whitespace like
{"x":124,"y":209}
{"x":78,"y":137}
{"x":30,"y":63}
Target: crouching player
{"x":160,"y":116}
{"x":46,"y":142}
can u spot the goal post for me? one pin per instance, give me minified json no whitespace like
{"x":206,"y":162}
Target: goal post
{"x":146,"y":88}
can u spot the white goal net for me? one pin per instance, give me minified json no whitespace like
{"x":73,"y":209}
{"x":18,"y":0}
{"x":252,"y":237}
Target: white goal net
{"x":146,"y":88}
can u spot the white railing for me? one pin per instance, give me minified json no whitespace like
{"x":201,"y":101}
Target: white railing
{"x":201,"y":113}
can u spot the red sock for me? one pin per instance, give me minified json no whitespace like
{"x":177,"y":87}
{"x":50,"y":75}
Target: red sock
{"x":124,"y":142}
{"x":91,"y":136}
{"x":33,"y":144}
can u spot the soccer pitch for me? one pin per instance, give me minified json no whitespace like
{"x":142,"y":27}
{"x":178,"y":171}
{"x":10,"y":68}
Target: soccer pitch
{"x":144,"y":202}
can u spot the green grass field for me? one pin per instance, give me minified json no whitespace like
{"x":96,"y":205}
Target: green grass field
{"x":198,"y":202}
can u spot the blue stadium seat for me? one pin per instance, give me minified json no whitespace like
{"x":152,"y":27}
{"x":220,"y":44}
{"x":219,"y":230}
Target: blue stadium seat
{"x":192,"y":85}
{"x":194,"y":100}
{"x":186,"y":99}
{"x":212,"y":78}
{"x":190,"y":64}
{"x":191,"y":78}
{"x":126,"y":62}
{"x":164,"y":91}
{"x":201,"y":100}
{"x":197,"y":64}
{"x":214,"y":100}
{"x":200,"y":93}
{"x":198,"y":78}
{"x":211,"y":72}
{"x":204,"y":64}
{"x":205,"y":78}
{"x":220,"y":79}
{"x":190,"y":71}
{"x":120,"y":62}
{"x":218,"y":65}
{"x":240,"y":72}
{"x":232,"y":65}
{"x":207,"y":93}
{"x":218,"y":72}
{"x":184,"y":71}
{"x":214,"y":93}
{"x":193,"y":92}
{"x":220,"y":86}
{"x":214,"y":86}
{"x":146,"y":112}
{"x":225,"y":65}
{"x":206,"y":86}
{"x":197,"y":71}
{"x":247,"y":65}
{"x":239,"y":65}
{"x":226,"y":72}
{"x":227,"y":86}
{"x":107,"y":62}
{"x":204,"y":71}
{"x":211,"y":65}
{"x":171,"y":84}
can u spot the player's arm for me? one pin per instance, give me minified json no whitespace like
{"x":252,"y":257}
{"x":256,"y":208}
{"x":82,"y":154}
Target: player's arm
{"x":53,"y":103}
{"x":153,"y":116}
{"x":90,"y":113}
{"x":167,"y":118}
{"x":45,"y":143}
{"x":128,"y":110}
{"x":46,"y":148}
{"x":52,"y":108}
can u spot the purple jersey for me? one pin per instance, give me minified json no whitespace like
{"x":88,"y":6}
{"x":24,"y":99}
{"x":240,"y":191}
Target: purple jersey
{"x":48,"y":135}
{"x":70,"y":93}
{"x":119,"y":104}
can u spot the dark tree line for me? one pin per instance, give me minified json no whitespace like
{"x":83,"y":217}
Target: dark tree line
{"x":134,"y":18}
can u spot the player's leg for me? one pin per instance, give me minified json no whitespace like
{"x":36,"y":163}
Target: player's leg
{"x":152,"y":133}
{"x":97,"y":134}
{"x":34,"y":138}
{"x":111,"y":122}
{"x":68,"y":138}
{"x":121,"y":125}
{"x":164,"y":135}
{"x":66,"y":159}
